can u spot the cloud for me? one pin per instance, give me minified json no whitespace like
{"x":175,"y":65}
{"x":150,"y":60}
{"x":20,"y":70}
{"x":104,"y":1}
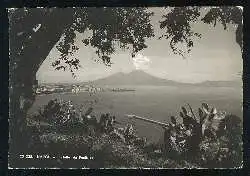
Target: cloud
{"x":141,"y":62}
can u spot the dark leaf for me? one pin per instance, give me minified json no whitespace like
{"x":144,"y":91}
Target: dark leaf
{"x":86,"y":41}
{"x":209,"y":133}
{"x":173,"y":120}
{"x":60,"y":68}
{"x":211,"y":117}
{"x":181,"y":114}
{"x":221,"y":128}
{"x":201,"y":114}
{"x":205,"y":107}
{"x":187,"y":121}
{"x":213,"y":111}
{"x":184,"y":110}
{"x":57,"y":62}
{"x":191,"y":110}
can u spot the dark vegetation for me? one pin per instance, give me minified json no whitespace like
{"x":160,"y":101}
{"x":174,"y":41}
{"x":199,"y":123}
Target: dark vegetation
{"x":205,"y":139}
{"x":210,"y":138}
{"x":34,"y":32}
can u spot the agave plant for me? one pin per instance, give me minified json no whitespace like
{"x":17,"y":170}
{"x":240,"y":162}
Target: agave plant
{"x":212,"y":137}
{"x":207,"y":123}
{"x":186,"y":137}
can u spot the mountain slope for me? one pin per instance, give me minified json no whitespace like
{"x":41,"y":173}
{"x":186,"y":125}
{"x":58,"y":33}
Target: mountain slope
{"x":137,"y":77}
{"x":236,"y":83}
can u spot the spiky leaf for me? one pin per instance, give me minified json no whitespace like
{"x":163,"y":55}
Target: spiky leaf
{"x":211,"y":117}
{"x":187,"y":121}
{"x":205,"y":105}
{"x":205,"y":108}
{"x":173,"y":120}
{"x":184,"y":110}
{"x":214,"y":111}
{"x":181,"y":114}
{"x":202,"y":115}
{"x":191,"y":110}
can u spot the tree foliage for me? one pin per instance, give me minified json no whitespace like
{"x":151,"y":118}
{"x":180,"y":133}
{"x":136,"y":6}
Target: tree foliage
{"x":111,"y":28}
{"x":227,"y":15}
{"x":178,"y":28}
{"x":131,"y":26}
{"x":178,"y":24}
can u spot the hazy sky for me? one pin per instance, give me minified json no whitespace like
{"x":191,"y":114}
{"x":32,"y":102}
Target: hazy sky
{"x":216,"y":56}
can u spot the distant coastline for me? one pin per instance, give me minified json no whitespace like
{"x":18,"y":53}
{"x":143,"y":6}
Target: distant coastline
{"x":142,"y":78}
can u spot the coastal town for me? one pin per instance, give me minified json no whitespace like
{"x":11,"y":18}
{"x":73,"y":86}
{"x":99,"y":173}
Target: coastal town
{"x":75,"y":88}
{"x":65,"y":88}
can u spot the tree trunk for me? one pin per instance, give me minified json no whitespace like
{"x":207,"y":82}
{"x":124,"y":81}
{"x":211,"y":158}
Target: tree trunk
{"x":23,"y":68}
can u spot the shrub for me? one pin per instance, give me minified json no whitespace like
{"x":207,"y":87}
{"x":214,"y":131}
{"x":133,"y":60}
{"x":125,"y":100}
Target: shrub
{"x":210,"y":138}
{"x":205,"y":139}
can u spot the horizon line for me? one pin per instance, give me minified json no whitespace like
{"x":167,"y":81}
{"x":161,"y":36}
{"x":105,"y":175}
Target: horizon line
{"x":140,"y":70}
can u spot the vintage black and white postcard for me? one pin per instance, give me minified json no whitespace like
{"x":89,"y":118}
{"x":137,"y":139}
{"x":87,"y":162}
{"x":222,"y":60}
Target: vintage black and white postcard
{"x":125,"y":87}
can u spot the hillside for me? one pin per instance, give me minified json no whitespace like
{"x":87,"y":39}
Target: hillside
{"x":139,"y":77}
{"x":236,"y":83}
